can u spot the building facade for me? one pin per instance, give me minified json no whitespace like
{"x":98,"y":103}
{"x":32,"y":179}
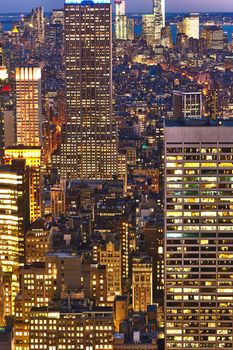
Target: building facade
{"x":111,"y":257}
{"x":28,"y":106}
{"x":142,"y":282}
{"x":14,"y":217}
{"x":159,"y":8}
{"x":190,"y":26}
{"x":120,"y":20}
{"x":187,"y":104}
{"x":89,"y":141}
{"x":32,"y":156}
{"x":90,"y":329}
{"x":198,"y":237}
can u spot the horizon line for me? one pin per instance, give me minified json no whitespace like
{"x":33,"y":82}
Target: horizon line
{"x":129,"y":13}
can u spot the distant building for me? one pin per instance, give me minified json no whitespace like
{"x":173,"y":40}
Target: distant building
{"x":2,"y":135}
{"x":89,"y":140}
{"x":110,"y":256}
{"x":148,"y":29}
{"x":14,"y":219}
{"x":159,"y":9}
{"x":142,"y":282}
{"x":120,"y":20}
{"x":212,"y":105}
{"x":167,"y":37}
{"x":33,"y":158}
{"x":28,"y":106}
{"x":38,"y":24}
{"x":153,"y":231}
{"x":9,"y":131}
{"x":57,"y":17}
{"x":190,"y":26}
{"x":187,"y":104}
{"x":57,"y":200}
{"x":130,"y":29}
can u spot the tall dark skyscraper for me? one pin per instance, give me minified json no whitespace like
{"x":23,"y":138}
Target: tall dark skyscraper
{"x":89,"y":142}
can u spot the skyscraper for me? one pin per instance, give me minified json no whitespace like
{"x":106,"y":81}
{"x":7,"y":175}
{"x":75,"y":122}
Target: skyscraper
{"x":148,"y":29}
{"x":32,"y":156}
{"x":187,"y":104}
{"x":38,"y":23}
{"x":14,"y":217}
{"x":89,"y":142}
{"x":214,"y":37}
{"x":28,"y":106}
{"x":159,"y":9}
{"x":198,"y":237}
{"x":120,"y":20}
{"x":130,"y":29}
{"x":190,"y":26}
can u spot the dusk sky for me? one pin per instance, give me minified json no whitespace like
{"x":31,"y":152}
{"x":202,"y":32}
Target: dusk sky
{"x":132,"y":5}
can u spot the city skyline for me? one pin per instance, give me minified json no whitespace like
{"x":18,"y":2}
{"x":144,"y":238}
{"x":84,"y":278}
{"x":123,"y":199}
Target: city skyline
{"x":131,"y":6}
{"x":116,"y":175}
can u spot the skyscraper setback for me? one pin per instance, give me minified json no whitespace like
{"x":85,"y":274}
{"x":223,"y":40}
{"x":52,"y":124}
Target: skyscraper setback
{"x":89,"y":142}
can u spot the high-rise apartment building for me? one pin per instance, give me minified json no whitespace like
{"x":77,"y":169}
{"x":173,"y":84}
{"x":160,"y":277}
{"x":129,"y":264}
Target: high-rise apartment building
{"x":28,"y":106}
{"x":120,"y":20}
{"x":187,"y":104}
{"x":32,"y":156}
{"x":89,"y":141}
{"x":14,"y":217}
{"x":198,"y":237}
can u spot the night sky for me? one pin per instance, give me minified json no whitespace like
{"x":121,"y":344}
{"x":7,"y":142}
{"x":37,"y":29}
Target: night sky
{"x":132,"y":5}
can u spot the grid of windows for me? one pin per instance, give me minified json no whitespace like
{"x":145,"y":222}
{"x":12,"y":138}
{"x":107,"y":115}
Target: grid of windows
{"x":199,"y":243}
{"x":89,"y":142}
